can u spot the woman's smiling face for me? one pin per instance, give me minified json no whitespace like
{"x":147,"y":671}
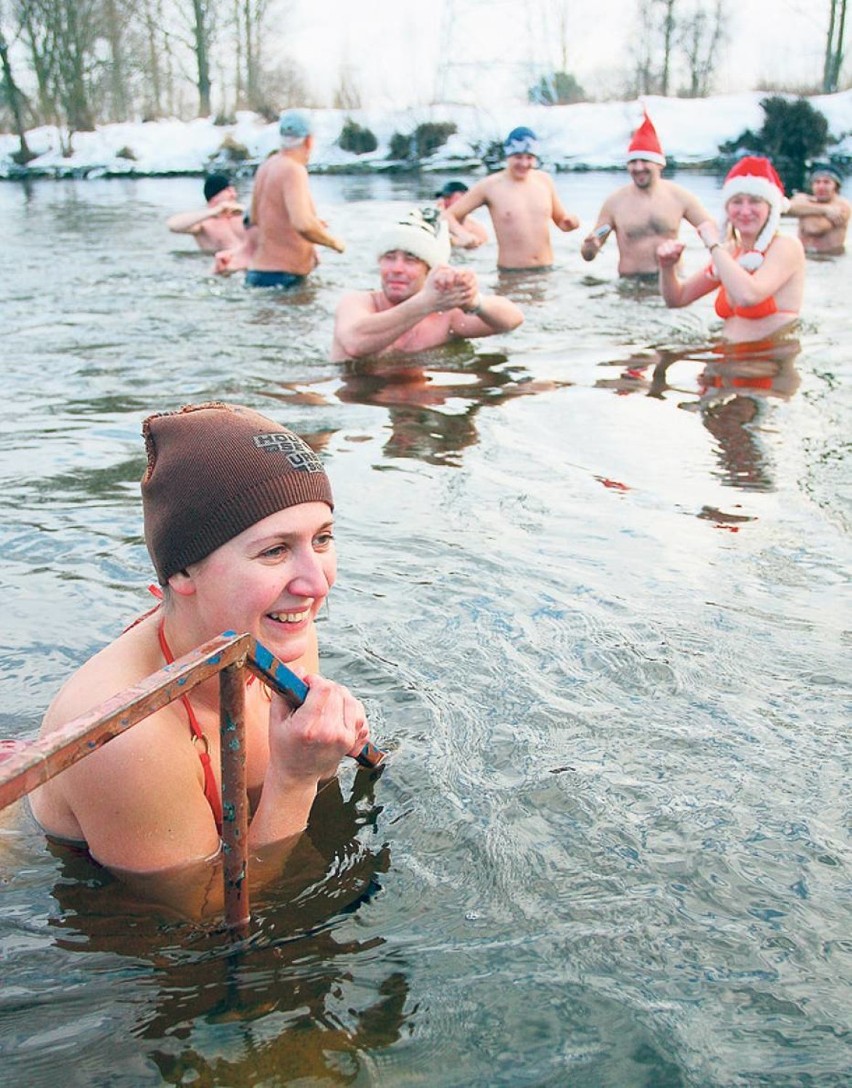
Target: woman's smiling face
{"x":271,"y":580}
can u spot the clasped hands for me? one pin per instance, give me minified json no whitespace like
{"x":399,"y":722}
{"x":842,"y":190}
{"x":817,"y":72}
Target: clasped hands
{"x":451,"y":288}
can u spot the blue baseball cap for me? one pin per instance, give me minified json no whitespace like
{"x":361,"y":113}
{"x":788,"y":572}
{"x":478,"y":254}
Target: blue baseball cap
{"x":293,"y":125}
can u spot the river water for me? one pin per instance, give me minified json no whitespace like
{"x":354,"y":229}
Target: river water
{"x":593,"y":592}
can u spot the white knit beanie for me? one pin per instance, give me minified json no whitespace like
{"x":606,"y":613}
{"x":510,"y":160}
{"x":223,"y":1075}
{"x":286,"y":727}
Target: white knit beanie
{"x":423,"y":235}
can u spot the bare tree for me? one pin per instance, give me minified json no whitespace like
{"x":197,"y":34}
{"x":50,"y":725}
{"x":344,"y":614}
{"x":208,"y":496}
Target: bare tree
{"x":15,"y":100}
{"x":115,"y":24}
{"x":644,"y":78}
{"x":834,"y":45}
{"x":347,"y":93}
{"x":201,"y":17}
{"x":61,"y":36}
{"x":668,"y":29}
{"x":701,"y":35}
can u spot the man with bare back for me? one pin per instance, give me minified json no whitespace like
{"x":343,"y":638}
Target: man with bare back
{"x":287,"y":228}
{"x":423,"y":302}
{"x":522,"y":202}
{"x":219,"y":224}
{"x":645,"y":212}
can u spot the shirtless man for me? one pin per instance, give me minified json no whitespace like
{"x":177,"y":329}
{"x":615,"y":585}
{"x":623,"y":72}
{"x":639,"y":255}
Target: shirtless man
{"x":645,"y":212}
{"x":283,"y":213}
{"x":823,"y":216}
{"x":446,"y":198}
{"x":217,"y":226}
{"x":423,"y":303}
{"x":522,"y":201}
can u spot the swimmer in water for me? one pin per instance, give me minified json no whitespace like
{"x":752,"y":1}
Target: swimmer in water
{"x":645,"y":212}
{"x":284,"y":218}
{"x":423,"y":302}
{"x":238,"y":519}
{"x":824,"y":214}
{"x":522,"y":202}
{"x":758,"y":274}
{"x":218,"y":225}
{"x":450,"y":194}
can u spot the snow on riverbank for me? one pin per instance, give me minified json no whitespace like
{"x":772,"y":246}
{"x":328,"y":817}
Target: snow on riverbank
{"x":588,"y":135}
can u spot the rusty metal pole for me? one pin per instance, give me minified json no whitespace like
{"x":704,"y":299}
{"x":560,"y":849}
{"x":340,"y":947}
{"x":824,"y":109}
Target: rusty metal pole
{"x":232,"y":739}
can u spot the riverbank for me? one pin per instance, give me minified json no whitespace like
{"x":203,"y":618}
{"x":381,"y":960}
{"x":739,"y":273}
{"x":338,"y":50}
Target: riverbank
{"x":586,"y":136}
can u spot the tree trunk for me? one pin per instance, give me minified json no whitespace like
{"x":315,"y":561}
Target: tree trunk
{"x":838,"y":52}
{"x":201,"y":32}
{"x":153,"y":94}
{"x":117,"y":78}
{"x":72,"y":55}
{"x":668,"y":39}
{"x":14,"y":97}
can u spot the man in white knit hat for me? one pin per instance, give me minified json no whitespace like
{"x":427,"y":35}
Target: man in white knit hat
{"x":422,"y":302}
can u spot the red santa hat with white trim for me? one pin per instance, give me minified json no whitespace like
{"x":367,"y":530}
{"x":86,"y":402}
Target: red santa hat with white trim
{"x":645,"y":144}
{"x":756,"y":176}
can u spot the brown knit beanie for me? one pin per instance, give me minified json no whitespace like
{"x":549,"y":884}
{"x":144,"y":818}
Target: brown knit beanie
{"x":215,"y":469}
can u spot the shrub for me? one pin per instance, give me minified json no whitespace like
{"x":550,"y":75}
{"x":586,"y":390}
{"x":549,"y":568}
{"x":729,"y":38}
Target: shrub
{"x":422,"y":142}
{"x":792,"y":133}
{"x":353,"y":137}
{"x":431,"y":135}
{"x":556,"y":89}
{"x":232,"y":150}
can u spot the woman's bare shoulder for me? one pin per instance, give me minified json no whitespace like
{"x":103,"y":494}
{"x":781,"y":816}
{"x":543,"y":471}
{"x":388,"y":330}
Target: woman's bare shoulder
{"x":119,"y":665}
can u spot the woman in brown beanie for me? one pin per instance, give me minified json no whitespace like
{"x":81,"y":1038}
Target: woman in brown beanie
{"x":238,"y":522}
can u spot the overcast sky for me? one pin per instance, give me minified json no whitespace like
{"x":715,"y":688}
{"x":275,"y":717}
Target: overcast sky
{"x":400,"y":53}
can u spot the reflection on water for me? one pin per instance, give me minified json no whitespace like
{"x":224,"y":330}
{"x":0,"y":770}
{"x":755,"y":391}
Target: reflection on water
{"x":594,"y":610}
{"x":279,"y":1003}
{"x":432,"y":400}
{"x":731,"y":386}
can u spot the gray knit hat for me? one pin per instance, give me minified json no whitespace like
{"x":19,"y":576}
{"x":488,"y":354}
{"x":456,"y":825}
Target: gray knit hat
{"x":214,"y":470}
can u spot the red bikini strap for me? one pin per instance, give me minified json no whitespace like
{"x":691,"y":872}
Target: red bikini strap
{"x":211,"y":790}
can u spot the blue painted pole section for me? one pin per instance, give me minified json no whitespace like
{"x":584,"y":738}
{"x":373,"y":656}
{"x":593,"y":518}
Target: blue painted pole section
{"x":275,"y":673}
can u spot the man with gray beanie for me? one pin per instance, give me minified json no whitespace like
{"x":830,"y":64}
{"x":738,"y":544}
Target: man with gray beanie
{"x":823,"y":214}
{"x":423,"y":302}
{"x":283,"y":212}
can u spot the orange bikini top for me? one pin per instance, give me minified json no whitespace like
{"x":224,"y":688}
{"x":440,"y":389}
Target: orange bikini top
{"x":762,"y":309}
{"x":723,"y":305}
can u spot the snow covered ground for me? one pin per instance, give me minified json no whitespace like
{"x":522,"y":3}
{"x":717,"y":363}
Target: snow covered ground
{"x":593,"y":134}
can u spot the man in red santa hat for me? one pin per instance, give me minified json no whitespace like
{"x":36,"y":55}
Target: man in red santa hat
{"x":645,"y":212}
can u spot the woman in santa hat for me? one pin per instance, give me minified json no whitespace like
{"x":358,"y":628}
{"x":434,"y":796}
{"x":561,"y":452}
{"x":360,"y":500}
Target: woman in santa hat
{"x":758,"y":274}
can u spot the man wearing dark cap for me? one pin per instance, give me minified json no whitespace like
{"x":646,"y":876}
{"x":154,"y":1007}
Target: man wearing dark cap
{"x":446,"y":198}
{"x":824,"y":214}
{"x":217,"y":226}
{"x":288,"y":229}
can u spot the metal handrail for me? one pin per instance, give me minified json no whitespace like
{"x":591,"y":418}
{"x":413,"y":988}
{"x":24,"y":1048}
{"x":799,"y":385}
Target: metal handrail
{"x":228,"y":655}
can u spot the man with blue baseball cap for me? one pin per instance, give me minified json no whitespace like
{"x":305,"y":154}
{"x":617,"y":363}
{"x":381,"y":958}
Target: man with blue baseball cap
{"x":523,"y":203}
{"x":283,"y":214}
